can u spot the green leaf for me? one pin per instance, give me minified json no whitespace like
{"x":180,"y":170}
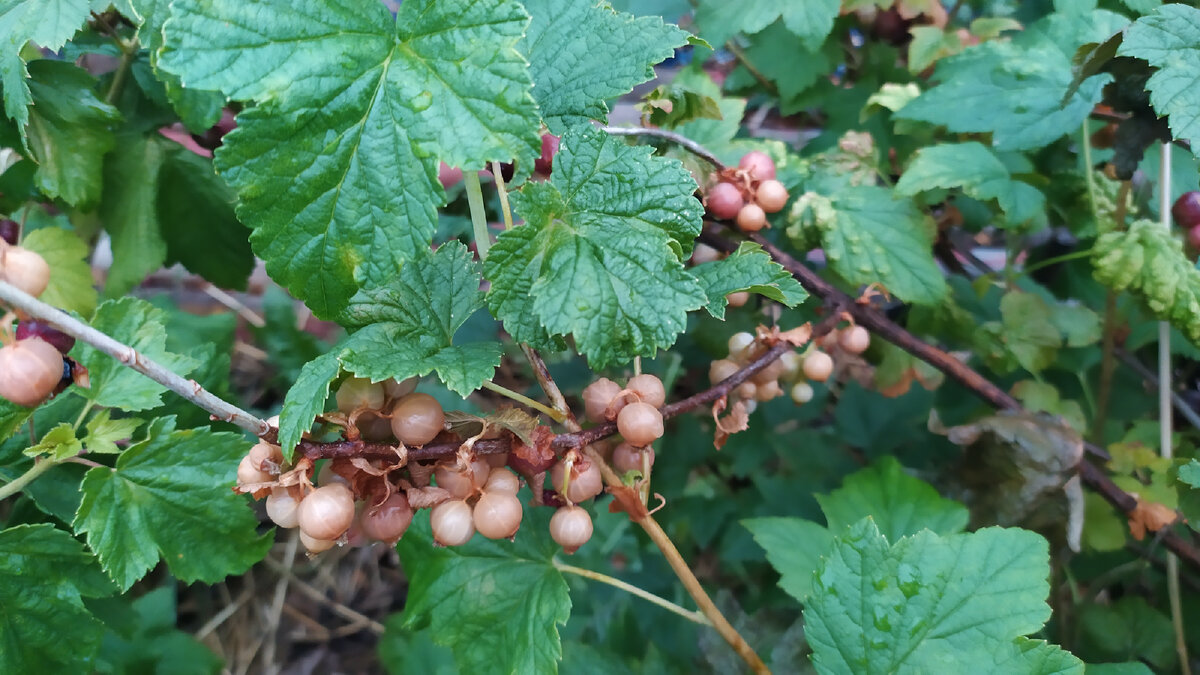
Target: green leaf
{"x":1190,"y":473}
{"x":12,"y":417}
{"x":198,"y":109}
{"x":599,"y":254}
{"x":1169,"y":39}
{"x":899,"y":504}
{"x":59,"y":443}
{"x":485,"y":598}
{"x":1028,"y":330}
{"x":1009,"y":91}
{"x":582,"y":53}
{"x":979,"y":172}
{"x":140,"y":325}
{"x":128,"y":211}
{"x":170,"y":494}
{"x":70,"y":285}
{"x":44,"y":574}
{"x":810,"y":20}
{"x":145,"y":639}
{"x":103,"y":432}
{"x":69,"y":132}
{"x":870,"y":236}
{"x":749,"y":268}
{"x":794,"y":548}
{"x":932,"y":604}
{"x":306,"y":399}
{"x":408,"y":326}
{"x":405,"y":329}
{"x":1148,"y":261}
{"x":47,"y":23}
{"x":313,"y":165}
{"x":196,"y":216}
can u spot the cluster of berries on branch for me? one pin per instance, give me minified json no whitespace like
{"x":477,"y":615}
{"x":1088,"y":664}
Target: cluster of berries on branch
{"x":746,"y":194}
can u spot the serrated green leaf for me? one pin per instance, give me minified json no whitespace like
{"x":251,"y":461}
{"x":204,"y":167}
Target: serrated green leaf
{"x":198,"y":109}
{"x":70,"y":285}
{"x":483,"y":598}
{"x":170,"y":494}
{"x":44,"y":573}
{"x":899,"y":504}
{"x":599,"y":254}
{"x":1190,"y":473}
{"x":749,"y":268}
{"x":306,"y":399}
{"x":1009,"y":91}
{"x":140,"y":325}
{"x":870,"y":236}
{"x":409,"y":324}
{"x":103,"y":432}
{"x":810,"y":20}
{"x":47,"y":23}
{"x":405,"y":329}
{"x":582,"y":54}
{"x":794,"y":548}
{"x":1146,"y":260}
{"x":128,"y":211}
{"x":69,"y":132}
{"x":979,"y":172}
{"x":384,"y":97}
{"x":1169,"y":39}
{"x":931,"y":604}
{"x":58,"y":443}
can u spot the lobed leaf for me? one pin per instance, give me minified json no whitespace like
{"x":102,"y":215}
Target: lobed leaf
{"x":870,"y":236}
{"x":44,"y":576}
{"x":582,"y":54}
{"x":933,"y":604}
{"x":169,"y":495}
{"x":810,"y":20}
{"x":141,"y":326}
{"x":749,"y":268}
{"x":349,"y":100}
{"x":47,"y":23}
{"x":599,"y":254}
{"x":405,"y":329}
{"x":1169,"y":39}
{"x":979,"y":172}
{"x":496,"y":604}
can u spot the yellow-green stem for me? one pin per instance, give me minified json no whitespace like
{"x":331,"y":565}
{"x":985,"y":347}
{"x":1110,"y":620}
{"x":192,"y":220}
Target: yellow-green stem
{"x":19,"y":483}
{"x":521,"y":398}
{"x":503,"y":192}
{"x":697,"y":617}
{"x":483,"y":240}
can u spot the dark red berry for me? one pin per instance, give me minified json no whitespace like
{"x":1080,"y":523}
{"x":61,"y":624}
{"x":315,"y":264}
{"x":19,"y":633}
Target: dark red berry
{"x":32,"y":328}
{"x":1186,"y":210}
{"x":9,"y":230}
{"x":545,"y":163}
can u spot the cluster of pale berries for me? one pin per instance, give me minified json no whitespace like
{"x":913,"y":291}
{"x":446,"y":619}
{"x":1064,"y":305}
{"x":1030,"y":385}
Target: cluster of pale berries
{"x":32,"y":367}
{"x":795,"y":370}
{"x":351,"y":504}
{"x":748,"y":193}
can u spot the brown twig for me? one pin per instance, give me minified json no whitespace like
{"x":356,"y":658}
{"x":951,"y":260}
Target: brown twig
{"x":869,"y":318}
{"x":681,"y":569}
{"x":678,"y":139}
